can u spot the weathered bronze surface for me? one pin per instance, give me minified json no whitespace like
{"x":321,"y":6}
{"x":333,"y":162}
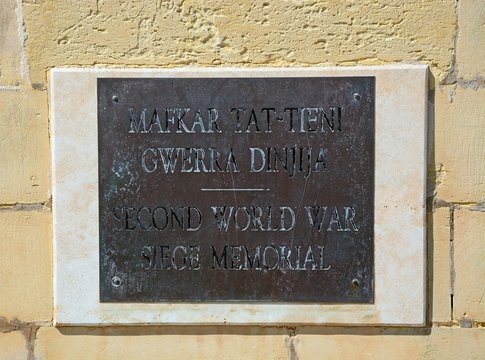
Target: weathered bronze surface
{"x":297,"y":233}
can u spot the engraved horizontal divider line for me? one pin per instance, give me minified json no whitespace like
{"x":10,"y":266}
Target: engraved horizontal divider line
{"x":204,"y":189}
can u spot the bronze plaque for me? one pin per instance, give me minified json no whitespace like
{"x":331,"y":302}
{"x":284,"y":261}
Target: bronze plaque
{"x":236,"y":189}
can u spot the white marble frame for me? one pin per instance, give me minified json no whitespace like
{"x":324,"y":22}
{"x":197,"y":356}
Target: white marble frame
{"x":400,"y":228}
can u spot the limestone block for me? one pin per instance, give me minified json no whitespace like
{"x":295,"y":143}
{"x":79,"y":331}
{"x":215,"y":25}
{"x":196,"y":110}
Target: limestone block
{"x":470,"y":48}
{"x":460,"y":149}
{"x":239,"y":33}
{"x":12,"y":346}
{"x":385,"y":344}
{"x":469,"y":255}
{"x":24,"y":147}
{"x":441,"y":306}
{"x":25,"y":268}
{"x":161,"y":343}
{"x":10,"y":44}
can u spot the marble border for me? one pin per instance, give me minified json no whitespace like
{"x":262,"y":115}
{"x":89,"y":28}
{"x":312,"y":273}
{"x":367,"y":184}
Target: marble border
{"x":400,"y":207}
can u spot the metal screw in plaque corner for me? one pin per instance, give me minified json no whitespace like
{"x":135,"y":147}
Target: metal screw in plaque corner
{"x":116,"y":281}
{"x":357,"y":97}
{"x":355,"y":283}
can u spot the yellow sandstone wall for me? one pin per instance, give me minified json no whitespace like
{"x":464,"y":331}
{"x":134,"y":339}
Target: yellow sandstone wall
{"x":449,"y":36}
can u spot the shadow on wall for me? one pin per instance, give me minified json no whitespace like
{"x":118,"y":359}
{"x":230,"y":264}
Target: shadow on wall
{"x":430,"y":192}
{"x":240,"y":330}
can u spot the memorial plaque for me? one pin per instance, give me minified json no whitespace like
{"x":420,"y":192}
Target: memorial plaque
{"x":236,"y":189}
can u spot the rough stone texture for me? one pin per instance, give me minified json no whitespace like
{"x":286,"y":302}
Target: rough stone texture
{"x":166,"y":343}
{"x":12,"y":346}
{"x":25,"y":266}
{"x":238,"y":33}
{"x":469,"y":261}
{"x":470,"y":48}
{"x":10,"y":44}
{"x":375,"y":344}
{"x":24,"y":147}
{"x":245,"y":33}
{"x":441,"y":311}
{"x":460,"y":149}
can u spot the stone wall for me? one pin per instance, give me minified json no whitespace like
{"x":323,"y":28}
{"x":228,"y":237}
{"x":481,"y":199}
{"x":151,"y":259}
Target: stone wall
{"x":447,"y":35}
